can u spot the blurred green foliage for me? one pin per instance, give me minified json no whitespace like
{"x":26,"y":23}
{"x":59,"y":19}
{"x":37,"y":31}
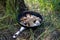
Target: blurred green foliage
{"x":9,"y":17}
{"x":49,"y":9}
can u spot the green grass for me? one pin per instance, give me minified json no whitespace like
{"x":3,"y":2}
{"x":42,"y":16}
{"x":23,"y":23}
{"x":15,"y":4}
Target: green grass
{"x":49,"y":9}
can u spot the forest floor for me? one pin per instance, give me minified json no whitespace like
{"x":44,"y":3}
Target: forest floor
{"x":49,"y":30}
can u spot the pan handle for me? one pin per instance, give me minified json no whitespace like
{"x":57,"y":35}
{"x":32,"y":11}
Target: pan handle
{"x":18,"y":32}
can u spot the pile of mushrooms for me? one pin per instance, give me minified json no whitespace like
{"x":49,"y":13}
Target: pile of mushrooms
{"x":29,"y":20}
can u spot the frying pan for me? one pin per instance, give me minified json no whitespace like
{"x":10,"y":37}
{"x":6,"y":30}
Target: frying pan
{"x":31,"y":13}
{"x":23,"y":26}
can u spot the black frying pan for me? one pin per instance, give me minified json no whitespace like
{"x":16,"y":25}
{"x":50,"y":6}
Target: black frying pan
{"x":31,"y":13}
{"x":24,"y":27}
